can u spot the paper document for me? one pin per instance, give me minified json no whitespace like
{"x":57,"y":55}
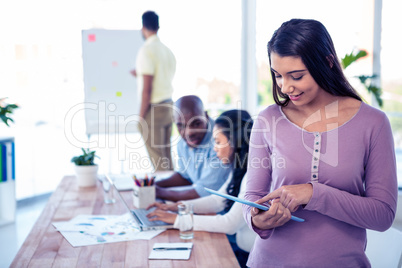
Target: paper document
{"x":171,"y":251}
{"x":85,"y":230}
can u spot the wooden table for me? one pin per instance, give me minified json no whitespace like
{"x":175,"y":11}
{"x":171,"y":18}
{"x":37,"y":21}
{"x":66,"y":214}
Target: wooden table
{"x":46,"y":247}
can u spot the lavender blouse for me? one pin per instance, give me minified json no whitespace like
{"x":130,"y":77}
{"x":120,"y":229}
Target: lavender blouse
{"x":353,"y":172}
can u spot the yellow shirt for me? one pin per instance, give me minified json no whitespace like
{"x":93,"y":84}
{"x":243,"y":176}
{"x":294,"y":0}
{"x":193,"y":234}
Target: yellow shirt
{"x":156,"y":59}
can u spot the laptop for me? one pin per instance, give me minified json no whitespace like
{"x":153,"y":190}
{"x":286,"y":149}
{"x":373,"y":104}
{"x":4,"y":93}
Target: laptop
{"x":140,"y":215}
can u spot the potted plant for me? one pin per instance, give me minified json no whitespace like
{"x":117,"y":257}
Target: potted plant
{"x":6,"y":110}
{"x":85,"y":168}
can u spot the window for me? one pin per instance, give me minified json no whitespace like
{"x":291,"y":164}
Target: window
{"x":41,"y":70}
{"x":391,"y":75}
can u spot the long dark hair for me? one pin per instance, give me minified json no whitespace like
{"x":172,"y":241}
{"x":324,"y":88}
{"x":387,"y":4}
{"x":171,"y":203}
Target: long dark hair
{"x":236,"y":126}
{"x":310,"y":40}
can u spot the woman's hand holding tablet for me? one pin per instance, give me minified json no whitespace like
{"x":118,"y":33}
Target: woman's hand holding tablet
{"x":246,"y":202}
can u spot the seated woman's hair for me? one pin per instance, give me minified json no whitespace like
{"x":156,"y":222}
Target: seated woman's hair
{"x":236,"y":126}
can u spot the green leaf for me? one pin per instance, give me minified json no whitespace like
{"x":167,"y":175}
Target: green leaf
{"x":13,"y":106}
{"x":86,"y":159}
{"x":352,"y":57}
{"x":363,"y":79}
{"x":7,"y":109}
{"x":377,"y":94}
{"x":5,"y":119}
{"x":361,"y":54}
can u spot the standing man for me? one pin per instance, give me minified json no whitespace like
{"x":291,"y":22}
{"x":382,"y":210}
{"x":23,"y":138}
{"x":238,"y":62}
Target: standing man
{"x":155,"y":69}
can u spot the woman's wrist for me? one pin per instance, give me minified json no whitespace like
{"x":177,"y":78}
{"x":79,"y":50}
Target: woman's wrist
{"x":175,"y":206}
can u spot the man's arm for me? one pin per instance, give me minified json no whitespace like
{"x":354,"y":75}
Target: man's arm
{"x":146,"y":94}
{"x":175,"y":188}
{"x":176,"y":193}
{"x":175,"y":180}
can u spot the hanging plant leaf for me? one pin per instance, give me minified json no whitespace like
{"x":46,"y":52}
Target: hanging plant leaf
{"x":366,"y":80}
{"x":352,"y":57}
{"x":377,"y":93}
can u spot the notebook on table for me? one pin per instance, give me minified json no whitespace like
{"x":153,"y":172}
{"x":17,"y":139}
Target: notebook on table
{"x":140,"y":215}
{"x":122,"y":182}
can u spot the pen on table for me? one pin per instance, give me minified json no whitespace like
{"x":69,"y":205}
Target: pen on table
{"x":179,"y":248}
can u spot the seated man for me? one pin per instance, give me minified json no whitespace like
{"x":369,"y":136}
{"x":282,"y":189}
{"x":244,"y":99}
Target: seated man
{"x":198,"y":165}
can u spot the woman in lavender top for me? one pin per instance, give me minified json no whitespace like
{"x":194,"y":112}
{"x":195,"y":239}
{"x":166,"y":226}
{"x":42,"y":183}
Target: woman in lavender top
{"x":320,"y":154}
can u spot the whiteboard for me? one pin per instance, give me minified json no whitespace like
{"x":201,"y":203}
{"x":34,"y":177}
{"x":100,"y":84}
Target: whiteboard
{"x":111,"y":98}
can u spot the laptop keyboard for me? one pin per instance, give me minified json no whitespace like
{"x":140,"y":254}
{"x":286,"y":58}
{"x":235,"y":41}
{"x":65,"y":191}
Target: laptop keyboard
{"x":142,"y":216}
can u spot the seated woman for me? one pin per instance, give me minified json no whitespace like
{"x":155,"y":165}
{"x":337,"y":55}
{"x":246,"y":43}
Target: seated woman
{"x":231,"y":134}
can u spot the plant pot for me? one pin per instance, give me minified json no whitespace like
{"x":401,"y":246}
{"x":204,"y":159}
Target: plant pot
{"x":86,"y":175}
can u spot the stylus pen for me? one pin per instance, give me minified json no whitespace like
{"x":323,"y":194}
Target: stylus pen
{"x":179,"y":248}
